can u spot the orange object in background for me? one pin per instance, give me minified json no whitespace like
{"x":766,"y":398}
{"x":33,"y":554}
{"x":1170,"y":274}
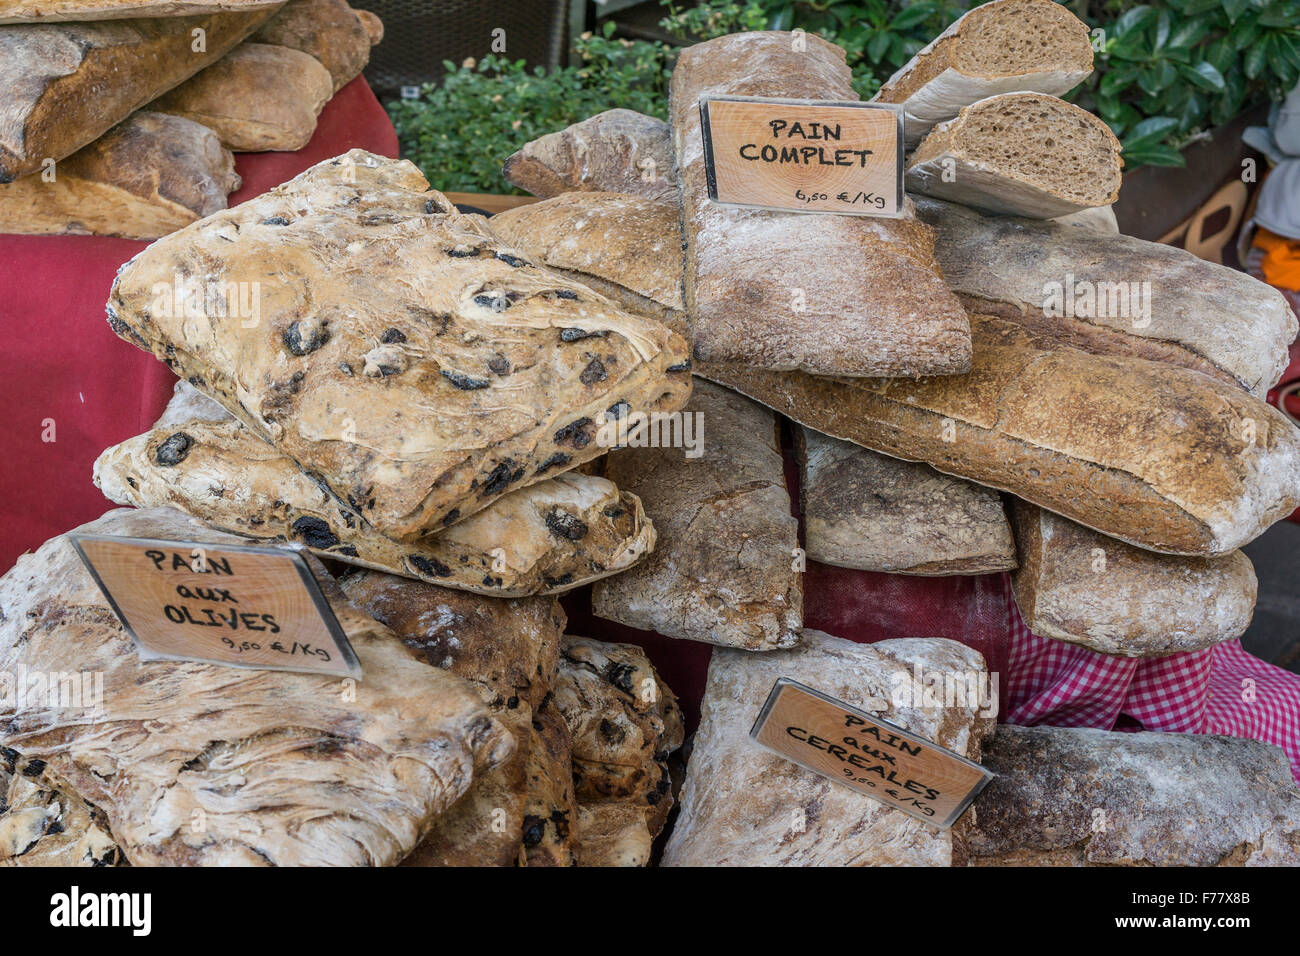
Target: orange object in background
{"x":1281,"y":263}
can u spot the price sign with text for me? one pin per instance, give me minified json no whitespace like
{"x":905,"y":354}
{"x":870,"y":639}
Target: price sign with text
{"x":804,"y":155}
{"x":229,"y":604}
{"x":867,"y":754}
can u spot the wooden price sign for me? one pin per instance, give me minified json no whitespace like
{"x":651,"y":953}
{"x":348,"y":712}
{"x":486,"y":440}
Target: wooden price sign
{"x":804,"y":155}
{"x":228,"y":604}
{"x":867,"y":754}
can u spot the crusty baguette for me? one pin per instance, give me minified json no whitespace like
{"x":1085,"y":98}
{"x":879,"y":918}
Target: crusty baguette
{"x":400,"y":351}
{"x":1159,"y":456}
{"x":1149,"y":300}
{"x":826,"y":294}
{"x":997,"y":47}
{"x":65,"y":84}
{"x":865,"y":510}
{"x":150,"y":175}
{"x":37,"y":11}
{"x":615,"y":151}
{"x":257,"y":97}
{"x":1076,"y":585}
{"x":329,"y":30}
{"x":1020,"y":154}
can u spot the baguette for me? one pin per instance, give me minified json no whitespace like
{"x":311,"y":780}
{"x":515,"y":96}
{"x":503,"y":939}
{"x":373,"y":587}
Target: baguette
{"x":66,"y":84}
{"x":867,"y":511}
{"x":328,"y":30}
{"x":1020,"y":154}
{"x":999,"y":47}
{"x":824,"y":294}
{"x":257,"y":97}
{"x":37,"y":11}
{"x":1078,"y":586}
{"x":146,"y":177}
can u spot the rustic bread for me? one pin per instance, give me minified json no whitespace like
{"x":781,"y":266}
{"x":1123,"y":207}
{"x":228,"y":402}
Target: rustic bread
{"x":36,"y":11}
{"x":1021,"y":154}
{"x":724,"y":569}
{"x":257,"y":97}
{"x":1076,"y":585}
{"x":44,"y":823}
{"x":867,"y":511}
{"x":68,"y":83}
{"x":1197,"y":314}
{"x":829,"y":295}
{"x":330,"y":778}
{"x":1159,"y":456}
{"x":550,"y":825}
{"x":148,"y":176}
{"x":328,"y":30}
{"x":1070,"y":796}
{"x":615,"y":151}
{"x":417,"y":401}
{"x":612,"y":834}
{"x":740,"y":802}
{"x":995,"y":48}
{"x":1098,"y":219}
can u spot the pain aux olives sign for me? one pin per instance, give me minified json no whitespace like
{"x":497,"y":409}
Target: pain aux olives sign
{"x":867,"y":754}
{"x":235,"y":605}
{"x":804,"y":155}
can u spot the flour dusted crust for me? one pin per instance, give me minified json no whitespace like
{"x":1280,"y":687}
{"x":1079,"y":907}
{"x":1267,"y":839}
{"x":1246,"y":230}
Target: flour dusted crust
{"x":724,"y":570}
{"x":1067,"y":796}
{"x":327,"y":778}
{"x":36,"y":11}
{"x":150,"y":175}
{"x":873,"y":301}
{"x":402,"y":353}
{"x":328,"y":30}
{"x":550,"y":537}
{"x":550,"y":825}
{"x":65,"y":84}
{"x":43,"y":823}
{"x":740,"y":801}
{"x":257,"y":97}
{"x":867,"y":511}
{"x":1076,"y":585}
{"x":613,"y":835}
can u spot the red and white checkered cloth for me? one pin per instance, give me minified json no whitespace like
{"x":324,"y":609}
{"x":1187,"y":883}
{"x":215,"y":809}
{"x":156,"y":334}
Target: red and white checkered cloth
{"x":1220,"y":690}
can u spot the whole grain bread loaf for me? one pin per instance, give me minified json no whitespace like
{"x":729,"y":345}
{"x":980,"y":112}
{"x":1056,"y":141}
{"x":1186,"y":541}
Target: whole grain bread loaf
{"x":36,"y":11}
{"x":150,"y":175}
{"x":825,"y":294}
{"x":65,"y":84}
{"x":1020,"y":154}
{"x":328,"y":30}
{"x":1076,"y":585}
{"x":416,"y":401}
{"x":257,"y":97}
{"x":995,"y":48}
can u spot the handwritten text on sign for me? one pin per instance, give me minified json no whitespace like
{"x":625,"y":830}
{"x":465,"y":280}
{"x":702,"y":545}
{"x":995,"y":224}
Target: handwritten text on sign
{"x":247,"y":607}
{"x":870,"y":755}
{"x":803,"y":155}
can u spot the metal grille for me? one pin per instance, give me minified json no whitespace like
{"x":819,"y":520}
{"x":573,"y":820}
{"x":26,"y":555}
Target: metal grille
{"x":420,"y":34}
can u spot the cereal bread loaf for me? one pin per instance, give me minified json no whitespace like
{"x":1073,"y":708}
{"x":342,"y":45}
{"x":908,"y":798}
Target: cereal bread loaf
{"x":35,"y":11}
{"x":865,"y":510}
{"x":618,"y":151}
{"x":416,"y":401}
{"x":1020,"y":154}
{"x":1076,"y":585}
{"x":150,"y":175}
{"x":995,"y":48}
{"x":68,"y":83}
{"x":328,"y":30}
{"x":330,"y":779}
{"x":824,"y":294}
{"x":257,"y":97}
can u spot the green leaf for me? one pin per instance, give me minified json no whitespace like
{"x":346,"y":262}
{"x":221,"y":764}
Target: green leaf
{"x":877,"y":46}
{"x":1205,"y":76}
{"x":911,"y":16}
{"x":1154,"y":155}
{"x":1134,"y":20}
{"x":782,"y":19}
{"x":1162,"y":30}
{"x":1188,"y":34}
{"x":1115,"y":80}
{"x":1235,"y":8}
{"x":1254,"y":61}
{"x":1150,"y":130}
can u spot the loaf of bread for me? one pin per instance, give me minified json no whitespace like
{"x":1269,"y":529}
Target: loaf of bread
{"x":35,"y":11}
{"x":257,"y":97}
{"x":1113,"y":294}
{"x":1079,"y":586}
{"x":1071,"y":796}
{"x":148,"y":176}
{"x":1098,"y":219}
{"x":617,"y":151}
{"x":66,"y":84}
{"x":613,"y":834}
{"x":550,"y":825}
{"x":1159,"y":456}
{"x":997,"y":47}
{"x":725,"y":567}
{"x":864,"y":510}
{"x":743,"y":805}
{"x":44,"y":823}
{"x":398,"y":351}
{"x":1021,"y":154}
{"x":331,"y":779}
{"x":328,"y":30}
{"x":824,"y":294}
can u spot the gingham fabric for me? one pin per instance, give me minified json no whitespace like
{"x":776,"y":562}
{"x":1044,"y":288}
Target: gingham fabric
{"x":1221,"y":690}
